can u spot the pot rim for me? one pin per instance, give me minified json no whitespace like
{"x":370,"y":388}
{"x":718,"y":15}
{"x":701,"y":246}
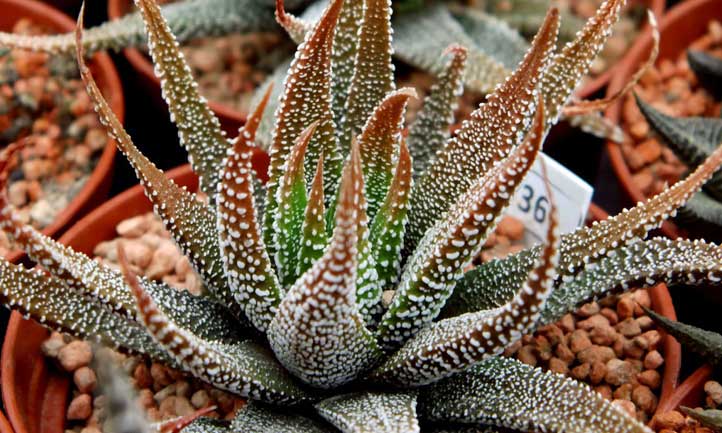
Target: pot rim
{"x":680,"y":13}
{"x":126,"y":205}
{"x":98,"y":183}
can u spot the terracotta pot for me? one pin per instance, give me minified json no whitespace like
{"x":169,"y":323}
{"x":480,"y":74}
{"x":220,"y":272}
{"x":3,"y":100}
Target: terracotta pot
{"x":5,"y":426}
{"x":35,"y":394}
{"x":230,"y":118}
{"x":98,"y":184}
{"x":70,"y":7}
{"x":602,"y":80}
{"x":689,"y":393}
{"x":684,"y":23}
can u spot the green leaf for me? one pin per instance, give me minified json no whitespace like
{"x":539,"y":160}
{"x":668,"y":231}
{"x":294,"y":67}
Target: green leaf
{"x":711,"y":418}
{"x":199,"y":130}
{"x":188,"y":19}
{"x":452,"y":345}
{"x":692,"y":139}
{"x":244,"y":367}
{"x":313,"y":233}
{"x":506,"y":393}
{"x":707,"y":344}
{"x":318,"y":333}
{"x":260,"y":418}
{"x":372,"y":412}
{"x":247,"y":267}
{"x":493,"y":130}
{"x":389,"y":225}
{"x":306,"y":99}
{"x":708,"y":69}
{"x":449,"y":246}
{"x":430,"y":131}
{"x":701,"y":206}
{"x":207,"y":425}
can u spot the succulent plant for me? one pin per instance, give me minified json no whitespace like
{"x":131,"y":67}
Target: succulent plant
{"x":293,"y":316}
{"x":421,"y":36}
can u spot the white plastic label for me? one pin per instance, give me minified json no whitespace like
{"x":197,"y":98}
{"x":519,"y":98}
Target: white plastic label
{"x":572,"y":196}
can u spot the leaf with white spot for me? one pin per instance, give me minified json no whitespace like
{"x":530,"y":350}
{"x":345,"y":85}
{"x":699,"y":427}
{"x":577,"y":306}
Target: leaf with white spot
{"x":207,"y":425}
{"x":190,"y":222}
{"x":318,"y":332}
{"x":244,"y":368}
{"x":487,"y":137}
{"x":296,"y":27}
{"x":452,"y":345}
{"x":198,"y":128}
{"x":430,"y":131}
{"x":259,"y":418}
{"x":447,"y":248}
{"x":493,"y":36}
{"x":306,"y":99}
{"x":378,"y":143}
{"x":372,"y":412}
{"x":506,"y":393}
{"x":313,"y":232}
{"x":249,"y":273}
{"x":47,"y":300}
{"x":373,"y":72}
{"x":389,"y":225}
{"x":292,"y":200}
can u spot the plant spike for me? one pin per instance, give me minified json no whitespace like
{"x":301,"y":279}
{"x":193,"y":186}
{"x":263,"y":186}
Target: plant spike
{"x":389,"y":225}
{"x":430,"y":131}
{"x":378,"y":143}
{"x":244,"y":368}
{"x":306,"y":99}
{"x":199,"y":130}
{"x":188,"y":19}
{"x":483,"y":140}
{"x":318,"y":332}
{"x":707,"y":344}
{"x":506,"y":393}
{"x":292,"y":200}
{"x":249,"y":272}
{"x":710,"y":418}
{"x":313,"y":234}
{"x":708,"y":69}
{"x":452,"y":345}
{"x":295,"y":27}
{"x":190,"y":222}
{"x":373,"y":76}
{"x":372,"y":412}
{"x":447,"y":248}
{"x":568,"y":66}
{"x":343,"y":57}
{"x":260,"y":418}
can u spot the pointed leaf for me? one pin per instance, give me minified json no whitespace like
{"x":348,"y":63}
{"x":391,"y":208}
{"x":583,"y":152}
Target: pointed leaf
{"x":373,"y":75}
{"x":389,"y":225}
{"x":190,"y":222}
{"x":708,"y":69}
{"x":706,"y":344}
{"x":378,"y":142}
{"x":198,"y":128}
{"x":711,"y":418}
{"x":493,"y":36}
{"x":507,"y":393}
{"x":487,"y":137}
{"x":313,"y":234}
{"x":372,"y":412}
{"x":46,"y":300}
{"x":431,"y":273}
{"x":343,"y":58}
{"x":430,"y":131}
{"x":244,"y":368}
{"x":260,"y":418}
{"x":207,"y":425}
{"x":247,"y":267}
{"x":292,"y":200}
{"x":294,"y":26}
{"x":692,"y":138}
{"x":306,"y":99}
{"x":318,"y":333}
{"x":701,"y":206}
{"x":452,"y":345}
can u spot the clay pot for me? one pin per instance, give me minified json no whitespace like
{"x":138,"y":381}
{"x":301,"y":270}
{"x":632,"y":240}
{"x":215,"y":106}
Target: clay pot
{"x":689,"y":393}
{"x":602,"y":80}
{"x":35,"y":393}
{"x":684,"y":23}
{"x":97,"y":186}
{"x":230,"y":119}
{"x":5,"y":426}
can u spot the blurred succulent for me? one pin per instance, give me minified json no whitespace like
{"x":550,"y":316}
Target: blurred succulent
{"x":292,"y":317}
{"x":422,"y":31}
